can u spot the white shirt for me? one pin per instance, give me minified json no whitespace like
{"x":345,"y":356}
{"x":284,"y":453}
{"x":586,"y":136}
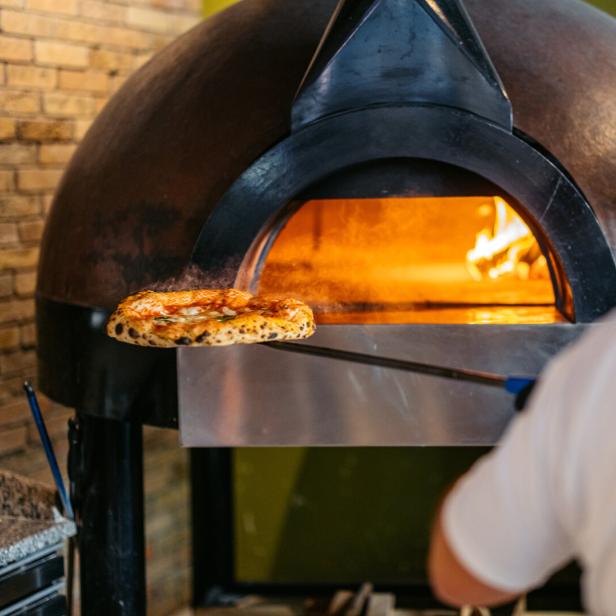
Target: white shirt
{"x":547,"y":494}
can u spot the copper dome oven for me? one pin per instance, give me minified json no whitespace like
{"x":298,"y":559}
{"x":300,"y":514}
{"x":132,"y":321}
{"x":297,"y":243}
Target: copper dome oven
{"x":433,"y":198}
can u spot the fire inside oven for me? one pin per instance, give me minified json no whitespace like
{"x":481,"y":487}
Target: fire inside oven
{"x":470,"y":259}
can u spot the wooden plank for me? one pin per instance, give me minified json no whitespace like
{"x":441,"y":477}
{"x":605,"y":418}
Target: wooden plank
{"x":381,"y":604}
{"x":339,"y":603}
{"x":261,"y":610}
{"x":359,"y":601}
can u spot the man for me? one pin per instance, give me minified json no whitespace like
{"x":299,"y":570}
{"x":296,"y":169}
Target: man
{"x":546,"y":495}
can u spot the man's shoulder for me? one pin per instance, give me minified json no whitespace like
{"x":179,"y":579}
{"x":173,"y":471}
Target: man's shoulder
{"x":596,"y":346}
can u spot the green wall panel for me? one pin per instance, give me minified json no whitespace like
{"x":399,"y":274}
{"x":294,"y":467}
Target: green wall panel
{"x":607,"y":5}
{"x":213,"y":6}
{"x":339,"y":515}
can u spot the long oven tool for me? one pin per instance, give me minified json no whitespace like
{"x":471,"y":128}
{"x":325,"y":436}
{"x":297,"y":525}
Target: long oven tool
{"x":49,"y":452}
{"x":513,"y":384}
{"x":57,"y":477}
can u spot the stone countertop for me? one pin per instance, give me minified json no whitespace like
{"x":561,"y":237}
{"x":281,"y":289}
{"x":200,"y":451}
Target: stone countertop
{"x":29,"y":520}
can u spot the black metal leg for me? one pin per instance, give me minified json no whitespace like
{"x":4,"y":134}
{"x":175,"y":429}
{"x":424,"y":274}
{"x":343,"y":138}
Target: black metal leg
{"x":212,"y":524}
{"x":111,"y":540}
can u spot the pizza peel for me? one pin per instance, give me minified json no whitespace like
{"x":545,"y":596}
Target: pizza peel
{"x":513,"y":384}
{"x":517,"y":385}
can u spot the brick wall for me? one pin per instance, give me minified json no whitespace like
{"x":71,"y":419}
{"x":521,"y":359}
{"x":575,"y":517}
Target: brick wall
{"x":60,"y":61}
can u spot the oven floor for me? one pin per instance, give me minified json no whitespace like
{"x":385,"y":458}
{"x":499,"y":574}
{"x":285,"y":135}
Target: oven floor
{"x":380,"y":604}
{"x":286,"y":610}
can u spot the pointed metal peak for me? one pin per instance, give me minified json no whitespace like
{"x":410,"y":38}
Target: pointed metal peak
{"x":454,"y":15}
{"x":380,"y":52}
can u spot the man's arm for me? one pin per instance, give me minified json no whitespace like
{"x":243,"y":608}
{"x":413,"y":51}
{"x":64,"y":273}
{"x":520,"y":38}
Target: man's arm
{"x":544,"y":495}
{"x":451,"y":582}
{"x":501,"y":529}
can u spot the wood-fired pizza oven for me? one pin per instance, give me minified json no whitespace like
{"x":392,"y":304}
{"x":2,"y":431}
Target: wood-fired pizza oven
{"x":436,"y":191}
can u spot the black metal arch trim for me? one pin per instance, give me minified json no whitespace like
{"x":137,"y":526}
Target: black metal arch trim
{"x":550,"y":200}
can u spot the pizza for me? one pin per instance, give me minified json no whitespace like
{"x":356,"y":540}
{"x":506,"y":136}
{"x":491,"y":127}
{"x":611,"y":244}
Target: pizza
{"x":208,"y":317}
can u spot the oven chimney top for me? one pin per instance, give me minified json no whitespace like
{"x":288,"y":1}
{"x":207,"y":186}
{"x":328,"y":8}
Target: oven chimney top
{"x":400,"y":52}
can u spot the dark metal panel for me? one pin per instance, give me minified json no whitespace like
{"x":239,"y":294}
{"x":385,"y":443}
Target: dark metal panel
{"x":396,"y":52}
{"x":80,"y":366}
{"x":111,"y":533}
{"x":32,"y":578}
{"x":550,"y":203}
{"x":55,"y":606}
{"x":212,"y":524}
{"x":400,"y":178}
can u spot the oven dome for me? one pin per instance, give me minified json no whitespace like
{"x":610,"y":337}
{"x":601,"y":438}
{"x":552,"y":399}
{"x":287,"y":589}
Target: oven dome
{"x":183,"y":128}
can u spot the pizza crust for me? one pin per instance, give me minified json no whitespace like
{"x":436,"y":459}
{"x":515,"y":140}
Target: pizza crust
{"x":208,"y":317}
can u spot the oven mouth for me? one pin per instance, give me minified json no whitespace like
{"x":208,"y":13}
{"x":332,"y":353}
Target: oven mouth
{"x":466,"y":259}
{"x":409,"y":242}
{"x":414,"y":152}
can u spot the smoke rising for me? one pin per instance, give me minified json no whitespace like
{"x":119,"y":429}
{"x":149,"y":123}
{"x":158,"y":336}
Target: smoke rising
{"x":193,"y":277}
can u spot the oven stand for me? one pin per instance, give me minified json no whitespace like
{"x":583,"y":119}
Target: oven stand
{"x":212,"y":526}
{"x":213,"y":550}
{"x":109,"y":495}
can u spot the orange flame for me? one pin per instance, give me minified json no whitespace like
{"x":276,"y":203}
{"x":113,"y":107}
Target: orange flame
{"x":407,"y":260}
{"x":506,"y":248}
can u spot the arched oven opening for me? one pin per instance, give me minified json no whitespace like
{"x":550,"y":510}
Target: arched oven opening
{"x":410,"y":241}
{"x":395,"y":159}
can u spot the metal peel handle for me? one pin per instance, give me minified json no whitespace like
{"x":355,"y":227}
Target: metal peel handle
{"x":48,"y":447}
{"x":512,"y":384}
